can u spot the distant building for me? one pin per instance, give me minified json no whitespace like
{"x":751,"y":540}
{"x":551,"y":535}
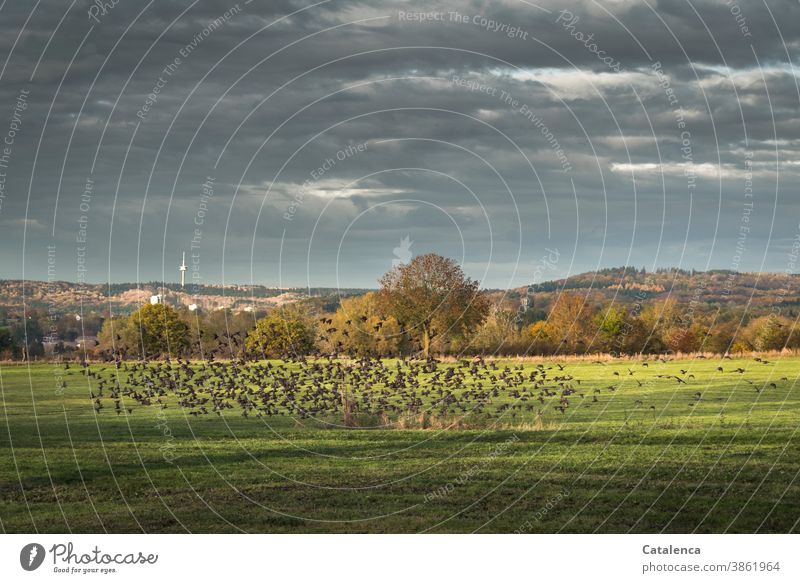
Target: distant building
{"x":49,"y":346}
{"x":86,"y":342}
{"x":156,"y":299}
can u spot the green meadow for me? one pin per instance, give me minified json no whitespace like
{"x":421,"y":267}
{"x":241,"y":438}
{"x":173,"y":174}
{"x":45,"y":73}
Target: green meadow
{"x":718,"y":451}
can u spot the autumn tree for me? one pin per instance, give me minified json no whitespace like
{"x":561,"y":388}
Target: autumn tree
{"x":539,"y":338}
{"x":358,"y":328}
{"x":118,"y":336}
{"x":220,"y":331}
{"x":570,"y":321}
{"x":283,"y":332}
{"x":655,"y":321}
{"x":432,"y":297}
{"x":767,"y":333}
{"x":686,"y":339}
{"x":498,"y":334}
{"x":158,"y":330}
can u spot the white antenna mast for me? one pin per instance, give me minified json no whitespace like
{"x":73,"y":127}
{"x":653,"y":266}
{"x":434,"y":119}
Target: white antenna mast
{"x":182,"y":269}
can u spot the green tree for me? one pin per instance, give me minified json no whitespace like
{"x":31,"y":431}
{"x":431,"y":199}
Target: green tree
{"x":118,"y":336}
{"x":612,"y":329}
{"x":431,"y":297}
{"x":281,"y":333}
{"x":7,"y":345}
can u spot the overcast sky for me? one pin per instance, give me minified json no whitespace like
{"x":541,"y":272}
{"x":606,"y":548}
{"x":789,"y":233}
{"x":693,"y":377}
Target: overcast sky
{"x":294,"y":143}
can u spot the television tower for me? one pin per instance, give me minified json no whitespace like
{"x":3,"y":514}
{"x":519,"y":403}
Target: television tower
{"x":182,"y":269}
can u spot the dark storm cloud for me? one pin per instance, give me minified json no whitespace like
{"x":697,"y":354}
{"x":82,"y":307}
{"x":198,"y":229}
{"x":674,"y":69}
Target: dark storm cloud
{"x":326,"y":133}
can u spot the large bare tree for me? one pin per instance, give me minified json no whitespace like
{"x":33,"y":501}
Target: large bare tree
{"x":430,"y":296}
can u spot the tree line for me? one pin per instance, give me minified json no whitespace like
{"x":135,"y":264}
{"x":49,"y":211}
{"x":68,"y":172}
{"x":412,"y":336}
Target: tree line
{"x":425,"y":307}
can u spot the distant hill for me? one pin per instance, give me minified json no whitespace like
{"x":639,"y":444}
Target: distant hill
{"x":708,"y":288}
{"x":126,"y":297}
{"x":624,"y":284}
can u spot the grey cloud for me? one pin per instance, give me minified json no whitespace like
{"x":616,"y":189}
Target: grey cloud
{"x":392,"y":79}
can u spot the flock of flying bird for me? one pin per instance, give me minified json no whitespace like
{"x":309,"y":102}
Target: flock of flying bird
{"x":313,"y":388}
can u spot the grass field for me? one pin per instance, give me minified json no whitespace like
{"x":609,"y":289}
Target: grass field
{"x":650,"y":458}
